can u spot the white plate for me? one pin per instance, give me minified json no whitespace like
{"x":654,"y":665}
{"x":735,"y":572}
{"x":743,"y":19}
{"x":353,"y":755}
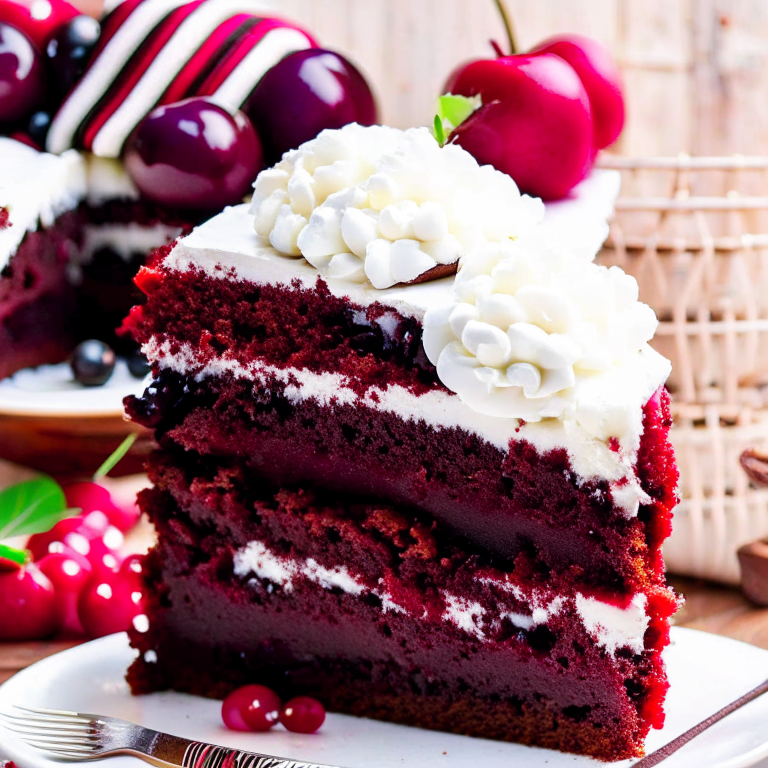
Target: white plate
{"x":51,"y":391}
{"x":706,"y":672}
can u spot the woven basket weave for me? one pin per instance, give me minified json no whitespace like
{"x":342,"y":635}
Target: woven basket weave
{"x":694,"y":232}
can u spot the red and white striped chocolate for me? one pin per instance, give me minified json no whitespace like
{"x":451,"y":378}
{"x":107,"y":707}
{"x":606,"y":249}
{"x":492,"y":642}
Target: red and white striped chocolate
{"x":155,"y":52}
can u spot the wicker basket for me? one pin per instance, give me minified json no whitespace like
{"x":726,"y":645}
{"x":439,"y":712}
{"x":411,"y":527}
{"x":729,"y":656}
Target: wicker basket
{"x":694,"y":232}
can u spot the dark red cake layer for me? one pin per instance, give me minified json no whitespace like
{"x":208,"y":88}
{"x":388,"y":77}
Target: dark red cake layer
{"x":286,"y":327}
{"x":503,"y":502}
{"x":37,"y":299}
{"x":212,"y":630}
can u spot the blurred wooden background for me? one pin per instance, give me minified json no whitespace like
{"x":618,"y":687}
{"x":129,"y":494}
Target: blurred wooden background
{"x":696,"y":70}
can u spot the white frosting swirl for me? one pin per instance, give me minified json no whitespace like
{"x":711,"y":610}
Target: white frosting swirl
{"x":386,"y":205}
{"x":530,"y":327}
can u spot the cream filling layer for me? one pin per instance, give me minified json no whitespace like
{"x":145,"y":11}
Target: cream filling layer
{"x":611,"y":627}
{"x":127,"y":239}
{"x":35,"y":188}
{"x":591,"y":459}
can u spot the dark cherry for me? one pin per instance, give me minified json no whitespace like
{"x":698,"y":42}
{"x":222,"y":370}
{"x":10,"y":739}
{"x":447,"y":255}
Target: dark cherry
{"x":27,"y":605}
{"x":38,"y":127}
{"x":70,"y":48}
{"x":302,"y":714}
{"x":194,"y":154}
{"x":305,"y":93}
{"x":251,"y":708}
{"x":92,"y":363}
{"x":68,"y":576}
{"x":22,"y":75}
{"x":138,"y":365}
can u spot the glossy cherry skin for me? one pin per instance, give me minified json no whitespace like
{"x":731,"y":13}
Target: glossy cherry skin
{"x":38,"y":20}
{"x":302,"y":714}
{"x":303,"y":94}
{"x":92,"y":497}
{"x":194,"y":154}
{"x":535,"y":123}
{"x":90,"y":535}
{"x":251,"y":708}
{"x":27,"y":605}
{"x":601,"y":78}
{"x":68,"y":576}
{"x":22,"y":75}
{"x":111,"y":602}
{"x":69,"y":49}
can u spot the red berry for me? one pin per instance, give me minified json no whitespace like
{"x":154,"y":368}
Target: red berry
{"x":92,"y":497}
{"x":535,"y":123}
{"x":38,"y":19}
{"x":111,"y":602}
{"x":68,"y":576}
{"x":303,"y":714}
{"x":251,"y":708}
{"x":22,"y":75}
{"x":27,"y":605}
{"x":601,"y":78}
{"x":90,"y":535}
{"x":194,"y":154}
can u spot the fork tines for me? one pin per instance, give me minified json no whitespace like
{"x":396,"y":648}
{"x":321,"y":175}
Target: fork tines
{"x":60,"y":733}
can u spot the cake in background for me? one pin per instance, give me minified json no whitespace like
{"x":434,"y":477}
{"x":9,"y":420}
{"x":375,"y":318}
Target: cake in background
{"x":431,"y":499}
{"x":156,"y":98}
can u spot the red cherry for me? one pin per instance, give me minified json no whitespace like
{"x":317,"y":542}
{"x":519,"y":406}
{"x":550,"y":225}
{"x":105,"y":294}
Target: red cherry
{"x":90,"y":535}
{"x":38,"y":19}
{"x":534,"y":125}
{"x":27,"y":605}
{"x":22,"y":75}
{"x":91,"y":497}
{"x":601,"y":79}
{"x":303,"y":714}
{"x":111,"y":602}
{"x":251,"y":708}
{"x":68,"y":577}
{"x":194,"y":154}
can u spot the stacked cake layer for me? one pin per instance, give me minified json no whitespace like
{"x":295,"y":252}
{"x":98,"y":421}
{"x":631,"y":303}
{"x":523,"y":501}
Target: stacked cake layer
{"x":438,"y":503}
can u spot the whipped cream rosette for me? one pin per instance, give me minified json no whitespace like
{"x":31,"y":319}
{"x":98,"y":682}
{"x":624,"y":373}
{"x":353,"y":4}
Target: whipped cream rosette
{"x":529,"y":327}
{"x":385,"y":205}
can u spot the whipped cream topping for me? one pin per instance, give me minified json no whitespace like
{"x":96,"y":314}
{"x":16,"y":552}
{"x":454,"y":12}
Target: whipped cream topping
{"x":529,"y":326}
{"x":611,"y":627}
{"x":35,"y":188}
{"x":387,"y":206}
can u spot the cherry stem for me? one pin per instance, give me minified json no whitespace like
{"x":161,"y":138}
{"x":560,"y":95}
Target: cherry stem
{"x":507,"y":19}
{"x":497,"y":48}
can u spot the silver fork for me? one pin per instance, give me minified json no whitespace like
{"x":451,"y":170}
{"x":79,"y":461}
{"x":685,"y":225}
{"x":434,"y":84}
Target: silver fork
{"x":75,"y":736}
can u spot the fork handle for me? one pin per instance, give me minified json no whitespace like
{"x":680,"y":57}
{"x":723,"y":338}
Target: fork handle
{"x":201,"y":755}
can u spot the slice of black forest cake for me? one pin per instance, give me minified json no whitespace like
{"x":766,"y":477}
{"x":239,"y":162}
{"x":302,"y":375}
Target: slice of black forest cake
{"x":438,"y":502}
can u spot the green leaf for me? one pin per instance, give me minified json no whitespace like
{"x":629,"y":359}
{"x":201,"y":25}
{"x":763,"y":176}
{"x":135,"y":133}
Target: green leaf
{"x":34,"y":506}
{"x":115,"y":458}
{"x":14,"y":555}
{"x":439,"y":131}
{"x":454,"y":110}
